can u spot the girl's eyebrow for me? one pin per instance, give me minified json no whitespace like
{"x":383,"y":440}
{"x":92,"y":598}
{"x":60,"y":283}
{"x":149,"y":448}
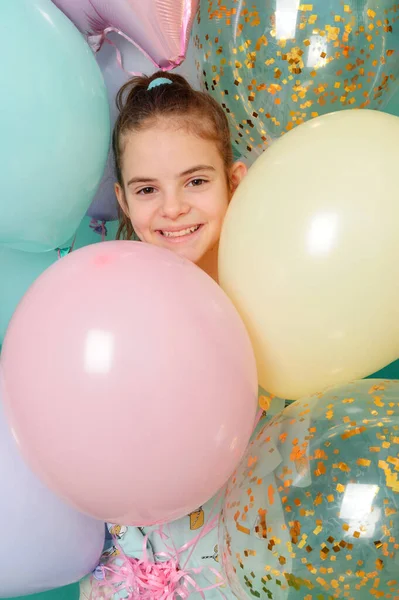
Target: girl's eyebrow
{"x":197,"y":168}
{"x":141,"y":180}
{"x":183,"y":174}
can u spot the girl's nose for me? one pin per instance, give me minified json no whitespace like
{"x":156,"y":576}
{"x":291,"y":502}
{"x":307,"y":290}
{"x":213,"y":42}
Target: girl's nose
{"x":174,"y":205}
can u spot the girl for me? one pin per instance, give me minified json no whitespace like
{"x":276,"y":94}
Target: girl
{"x":174,"y":166}
{"x":175,"y":178}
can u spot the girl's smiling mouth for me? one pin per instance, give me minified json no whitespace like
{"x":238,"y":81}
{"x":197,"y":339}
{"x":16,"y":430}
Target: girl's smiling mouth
{"x":180,"y":234}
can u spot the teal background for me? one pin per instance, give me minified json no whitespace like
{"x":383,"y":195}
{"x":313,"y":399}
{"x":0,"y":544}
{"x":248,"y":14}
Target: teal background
{"x":70,"y":592}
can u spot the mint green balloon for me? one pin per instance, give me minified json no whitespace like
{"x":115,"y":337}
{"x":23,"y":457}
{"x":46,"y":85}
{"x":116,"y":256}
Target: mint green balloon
{"x":70,"y":592}
{"x":54,"y":126}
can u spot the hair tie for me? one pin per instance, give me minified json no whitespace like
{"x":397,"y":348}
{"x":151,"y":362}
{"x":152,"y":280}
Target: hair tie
{"x":158,"y":81}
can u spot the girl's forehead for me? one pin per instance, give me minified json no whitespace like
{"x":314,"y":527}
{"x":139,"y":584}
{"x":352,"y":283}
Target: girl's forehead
{"x":166,"y":142}
{"x":191,"y":124}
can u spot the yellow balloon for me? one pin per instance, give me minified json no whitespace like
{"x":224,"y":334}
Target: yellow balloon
{"x":309,"y":252}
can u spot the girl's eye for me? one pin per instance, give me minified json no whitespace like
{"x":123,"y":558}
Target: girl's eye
{"x":146,"y":190}
{"x":197,"y":181}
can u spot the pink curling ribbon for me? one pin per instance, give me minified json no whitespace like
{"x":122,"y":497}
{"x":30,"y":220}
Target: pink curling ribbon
{"x":145,"y":579}
{"x":97,"y":40}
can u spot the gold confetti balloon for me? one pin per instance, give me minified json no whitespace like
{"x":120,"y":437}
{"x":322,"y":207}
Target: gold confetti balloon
{"x":274,"y":64}
{"x":312,"y":511}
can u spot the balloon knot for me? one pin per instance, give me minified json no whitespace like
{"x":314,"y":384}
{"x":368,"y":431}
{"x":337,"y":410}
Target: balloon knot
{"x":99,"y":227}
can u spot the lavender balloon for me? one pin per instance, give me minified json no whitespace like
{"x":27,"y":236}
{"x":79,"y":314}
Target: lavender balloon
{"x":46,"y":544}
{"x":104,"y":204}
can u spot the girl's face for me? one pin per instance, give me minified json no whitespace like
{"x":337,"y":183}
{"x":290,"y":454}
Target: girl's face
{"x":175,"y":189}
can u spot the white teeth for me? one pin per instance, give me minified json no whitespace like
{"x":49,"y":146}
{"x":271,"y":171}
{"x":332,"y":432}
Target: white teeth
{"x":181,"y":232}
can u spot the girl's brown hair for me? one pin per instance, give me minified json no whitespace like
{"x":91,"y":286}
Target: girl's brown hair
{"x":140,"y":107}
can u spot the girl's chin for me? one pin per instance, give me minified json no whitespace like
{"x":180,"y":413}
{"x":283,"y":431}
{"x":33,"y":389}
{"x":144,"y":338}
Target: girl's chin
{"x":191,"y":251}
{"x":187,"y":253}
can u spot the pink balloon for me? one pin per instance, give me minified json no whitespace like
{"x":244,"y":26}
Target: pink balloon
{"x":130,"y":382}
{"x":160,"y":28}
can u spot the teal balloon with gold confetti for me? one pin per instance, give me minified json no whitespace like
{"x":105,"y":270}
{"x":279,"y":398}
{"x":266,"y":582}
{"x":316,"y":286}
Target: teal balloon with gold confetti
{"x":393,"y":104}
{"x":312,"y":511}
{"x":273,"y":65}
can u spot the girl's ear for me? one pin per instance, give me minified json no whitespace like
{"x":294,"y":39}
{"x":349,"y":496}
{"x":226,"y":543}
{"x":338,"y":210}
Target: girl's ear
{"x":120,"y":196}
{"x":237,"y":173}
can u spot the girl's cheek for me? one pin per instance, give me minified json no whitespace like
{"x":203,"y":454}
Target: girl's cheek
{"x":141,"y":219}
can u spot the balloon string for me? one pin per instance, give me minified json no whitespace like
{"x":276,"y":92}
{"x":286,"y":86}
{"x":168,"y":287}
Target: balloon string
{"x":258,"y":417}
{"x":209,"y":526}
{"x":98,"y":39}
{"x":99,"y":227}
{"x":64,"y":251}
{"x":118,"y":53}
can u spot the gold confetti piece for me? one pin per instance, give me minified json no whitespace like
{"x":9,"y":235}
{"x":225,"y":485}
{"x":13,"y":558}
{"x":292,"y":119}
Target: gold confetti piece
{"x":363,"y":462}
{"x":356,"y":430}
{"x":390,"y":511}
{"x":317,"y":530}
{"x":378,"y":401}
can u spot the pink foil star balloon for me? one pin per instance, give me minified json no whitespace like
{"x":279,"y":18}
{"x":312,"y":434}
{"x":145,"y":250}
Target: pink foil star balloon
{"x":160,"y":28}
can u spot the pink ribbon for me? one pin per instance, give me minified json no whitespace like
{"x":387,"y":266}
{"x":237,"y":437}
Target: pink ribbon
{"x":145,"y":579}
{"x":96,"y":40}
